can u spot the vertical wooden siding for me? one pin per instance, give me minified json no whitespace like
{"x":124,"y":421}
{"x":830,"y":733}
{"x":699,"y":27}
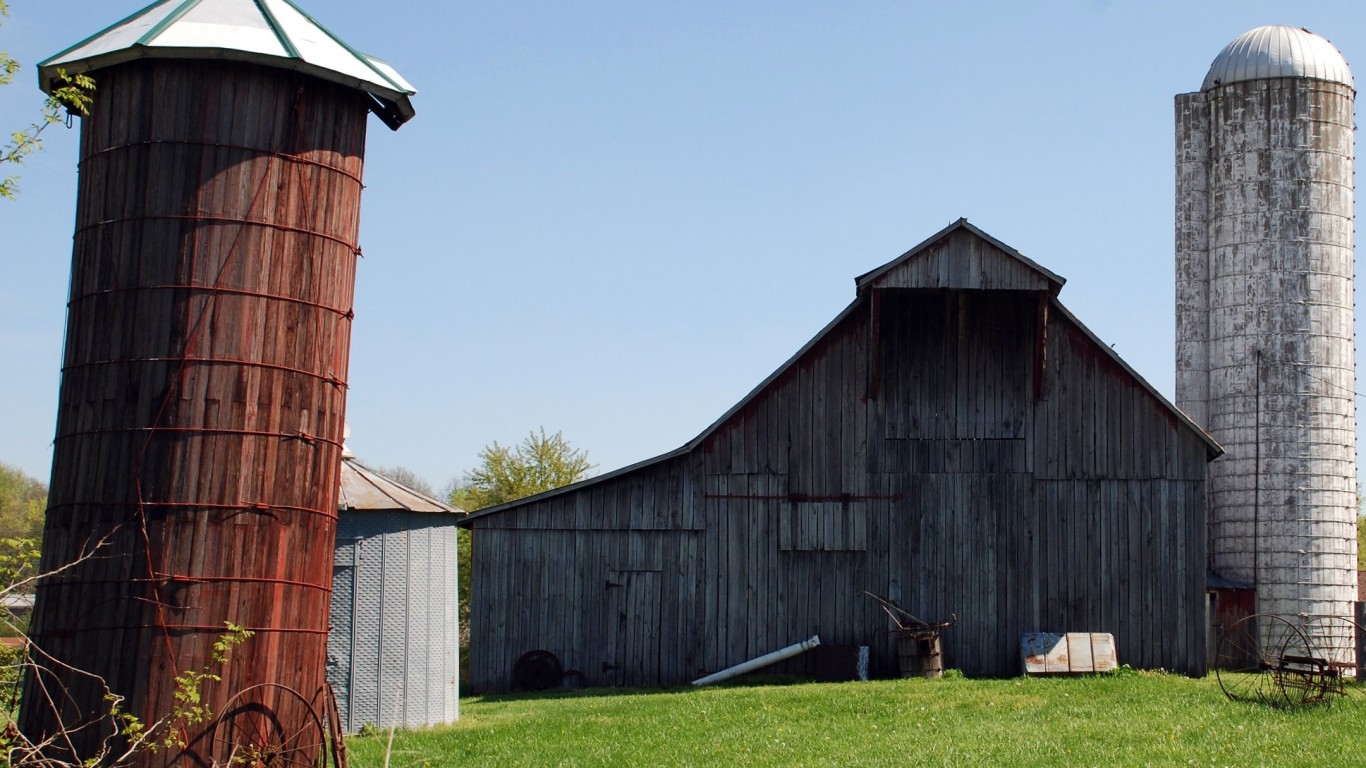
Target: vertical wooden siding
{"x":203,"y":387}
{"x":1077,"y":507}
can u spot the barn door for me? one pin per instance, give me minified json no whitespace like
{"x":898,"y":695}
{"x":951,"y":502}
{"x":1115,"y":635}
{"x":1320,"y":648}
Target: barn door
{"x":633,"y":635}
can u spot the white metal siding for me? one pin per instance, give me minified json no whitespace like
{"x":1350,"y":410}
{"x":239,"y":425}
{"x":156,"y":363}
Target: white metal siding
{"x":392,"y":655}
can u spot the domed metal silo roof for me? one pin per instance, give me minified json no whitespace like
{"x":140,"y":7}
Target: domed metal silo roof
{"x":274,"y":33}
{"x":1278,"y":51}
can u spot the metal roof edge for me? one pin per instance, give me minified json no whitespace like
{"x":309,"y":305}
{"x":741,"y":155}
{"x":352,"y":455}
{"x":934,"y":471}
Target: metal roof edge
{"x":692,"y":444}
{"x":575,"y":486}
{"x":278,"y":29}
{"x":1057,"y":281}
{"x":136,"y":52}
{"x":86,"y":41}
{"x":368,"y":474}
{"x":1215,"y":448}
{"x":364,"y":59}
{"x":772,"y":377}
{"x":171,"y":18}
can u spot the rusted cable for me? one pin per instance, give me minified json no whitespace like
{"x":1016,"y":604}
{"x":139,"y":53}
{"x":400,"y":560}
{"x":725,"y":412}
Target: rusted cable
{"x":214,"y":290}
{"x":330,"y":378}
{"x":168,"y":628}
{"x":201,"y":218}
{"x":304,"y":436}
{"x":260,"y":151}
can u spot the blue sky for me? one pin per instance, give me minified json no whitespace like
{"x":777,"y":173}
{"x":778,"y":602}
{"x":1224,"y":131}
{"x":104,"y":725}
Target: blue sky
{"x":614,"y":219}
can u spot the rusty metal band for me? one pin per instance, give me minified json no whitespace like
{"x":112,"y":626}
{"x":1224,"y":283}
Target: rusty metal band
{"x":199,"y":218}
{"x":254,"y":150}
{"x":798,"y":498}
{"x":255,"y":506}
{"x":69,"y":631}
{"x":175,"y":578}
{"x":329,"y":378}
{"x":212,"y":628}
{"x":347,"y":313}
{"x":304,"y":436}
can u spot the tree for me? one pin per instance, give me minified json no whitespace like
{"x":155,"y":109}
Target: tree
{"x":73,"y":96}
{"x":23,"y":501}
{"x":406,"y":477}
{"x":1361,"y":538}
{"x":507,"y":473}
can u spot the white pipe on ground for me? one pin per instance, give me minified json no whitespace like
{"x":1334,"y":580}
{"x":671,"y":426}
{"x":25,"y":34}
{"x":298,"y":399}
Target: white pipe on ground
{"x":762,"y":661}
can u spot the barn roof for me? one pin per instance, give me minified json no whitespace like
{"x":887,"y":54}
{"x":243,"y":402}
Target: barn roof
{"x":967,"y":236}
{"x":275,"y":33}
{"x":365,"y":490}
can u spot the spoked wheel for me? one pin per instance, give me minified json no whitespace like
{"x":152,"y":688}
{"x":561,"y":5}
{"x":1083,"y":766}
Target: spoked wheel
{"x":1302,"y":670}
{"x":1339,"y":640}
{"x":269,"y":726}
{"x":1250,"y":661}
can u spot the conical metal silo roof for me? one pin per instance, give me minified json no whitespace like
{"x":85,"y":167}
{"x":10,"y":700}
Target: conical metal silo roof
{"x":274,"y":33}
{"x":1278,"y":51}
{"x":366,"y":490}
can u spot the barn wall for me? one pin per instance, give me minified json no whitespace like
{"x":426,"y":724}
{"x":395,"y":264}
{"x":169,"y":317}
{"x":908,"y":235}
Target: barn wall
{"x":963,"y":452}
{"x":606,"y":579}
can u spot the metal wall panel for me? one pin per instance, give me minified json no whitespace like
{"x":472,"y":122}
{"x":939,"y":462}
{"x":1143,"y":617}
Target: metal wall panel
{"x":393,"y":656}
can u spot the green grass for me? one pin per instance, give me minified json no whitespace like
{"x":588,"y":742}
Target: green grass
{"x":1122,"y":720}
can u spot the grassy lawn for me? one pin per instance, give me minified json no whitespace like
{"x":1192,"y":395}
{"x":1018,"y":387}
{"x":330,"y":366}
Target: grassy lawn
{"x":1128,"y":719}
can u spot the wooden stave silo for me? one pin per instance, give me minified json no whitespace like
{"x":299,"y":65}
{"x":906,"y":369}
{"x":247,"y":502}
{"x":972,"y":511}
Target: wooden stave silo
{"x":203,"y":392}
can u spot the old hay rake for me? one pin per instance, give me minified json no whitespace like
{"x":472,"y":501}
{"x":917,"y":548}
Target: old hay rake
{"x":1267,"y":659}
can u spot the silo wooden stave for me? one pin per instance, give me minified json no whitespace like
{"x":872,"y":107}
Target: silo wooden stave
{"x":203,"y":392}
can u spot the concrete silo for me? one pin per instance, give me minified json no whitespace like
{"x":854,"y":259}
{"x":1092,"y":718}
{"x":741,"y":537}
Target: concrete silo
{"x":199,"y":427}
{"x":1265,"y":354}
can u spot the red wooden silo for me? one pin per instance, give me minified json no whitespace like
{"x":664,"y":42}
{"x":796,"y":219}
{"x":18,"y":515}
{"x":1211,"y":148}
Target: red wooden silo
{"x":204,"y":378}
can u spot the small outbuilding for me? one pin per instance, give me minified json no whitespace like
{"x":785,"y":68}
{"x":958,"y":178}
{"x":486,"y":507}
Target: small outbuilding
{"x":955,"y":440}
{"x":393,"y":656}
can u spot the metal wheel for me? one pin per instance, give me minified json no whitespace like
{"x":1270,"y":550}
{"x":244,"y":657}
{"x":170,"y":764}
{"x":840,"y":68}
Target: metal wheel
{"x":269,"y":726}
{"x":1338,"y":639}
{"x":1301,"y":670}
{"x":1249,"y":661}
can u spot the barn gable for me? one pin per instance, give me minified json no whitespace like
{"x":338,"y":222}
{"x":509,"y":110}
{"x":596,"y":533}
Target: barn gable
{"x":964,"y":257}
{"x":955,"y":439}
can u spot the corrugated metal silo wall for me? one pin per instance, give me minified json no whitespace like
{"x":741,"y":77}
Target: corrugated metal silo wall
{"x":393,"y":655}
{"x":203,"y":389}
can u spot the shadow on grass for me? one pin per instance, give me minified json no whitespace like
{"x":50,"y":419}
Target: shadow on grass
{"x":753,"y":680}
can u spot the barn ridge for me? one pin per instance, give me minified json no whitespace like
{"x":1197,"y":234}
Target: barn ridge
{"x":974,"y":248}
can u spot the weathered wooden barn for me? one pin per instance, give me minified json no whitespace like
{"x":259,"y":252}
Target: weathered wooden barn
{"x":955,"y":440}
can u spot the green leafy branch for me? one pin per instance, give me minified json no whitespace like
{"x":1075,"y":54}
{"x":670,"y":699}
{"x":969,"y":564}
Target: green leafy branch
{"x":189,"y":686}
{"x":73,"y":96}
